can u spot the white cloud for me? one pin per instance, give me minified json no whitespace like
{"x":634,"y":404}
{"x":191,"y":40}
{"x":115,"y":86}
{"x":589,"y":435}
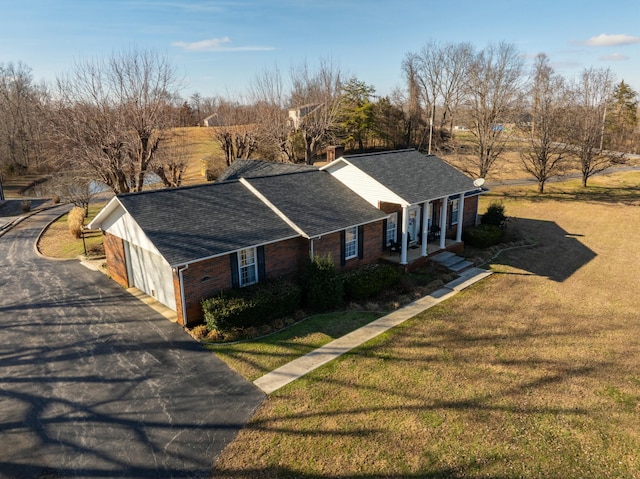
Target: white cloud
{"x":614,"y":57}
{"x":216,"y":45}
{"x":604,"y":40}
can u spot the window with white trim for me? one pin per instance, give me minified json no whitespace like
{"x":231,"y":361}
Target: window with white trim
{"x":392,"y":228}
{"x":247,"y":266}
{"x":351,"y":242}
{"x":455,"y":207}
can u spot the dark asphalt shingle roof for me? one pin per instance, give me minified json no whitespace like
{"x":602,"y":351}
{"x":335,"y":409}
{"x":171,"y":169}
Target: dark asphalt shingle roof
{"x":413,"y":176}
{"x":241,"y":168}
{"x":191,"y":223}
{"x":316,"y":202}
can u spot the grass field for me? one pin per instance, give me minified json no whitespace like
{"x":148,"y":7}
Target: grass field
{"x":534,"y":372}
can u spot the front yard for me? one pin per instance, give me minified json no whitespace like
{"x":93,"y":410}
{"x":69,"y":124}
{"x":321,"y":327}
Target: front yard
{"x":534,"y":372}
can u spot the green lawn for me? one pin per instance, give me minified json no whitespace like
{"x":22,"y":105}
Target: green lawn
{"x":532,"y":373}
{"x":256,"y":357}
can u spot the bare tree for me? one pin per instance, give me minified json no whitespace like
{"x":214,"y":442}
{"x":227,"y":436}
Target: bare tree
{"x":112,"y":114}
{"x":78,"y":186}
{"x":455,"y":61}
{"x":545,"y":146}
{"x":22,"y":125}
{"x":439,"y":71}
{"x":413,"y":103}
{"x":235,"y":130}
{"x":316,"y":94}
{"x":592,"y":91}
{"x":275,"y":130}
{"x":491,"y":94}
{"x":172,"y":158}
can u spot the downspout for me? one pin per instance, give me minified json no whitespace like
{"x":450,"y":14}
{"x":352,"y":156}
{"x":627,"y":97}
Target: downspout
{"x":180,"y":269}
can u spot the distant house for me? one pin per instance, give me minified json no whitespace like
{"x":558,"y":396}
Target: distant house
{"x":265,"y":220}
{"x":297,"y":114}
{"x":211,"y":120}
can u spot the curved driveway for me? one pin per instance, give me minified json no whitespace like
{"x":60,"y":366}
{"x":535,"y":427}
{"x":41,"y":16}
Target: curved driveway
{"x":95,"y":384}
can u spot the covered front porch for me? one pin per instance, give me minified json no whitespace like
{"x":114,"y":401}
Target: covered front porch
{"x":423,"y":229}
{"x":415,"y":257}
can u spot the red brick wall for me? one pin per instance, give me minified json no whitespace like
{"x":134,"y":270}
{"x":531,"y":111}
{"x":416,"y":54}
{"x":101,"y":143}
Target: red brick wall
{"x":116,"y":259}
{"x":470,"y":211}
{"x":330,"y":244}
{"x":286,"y":259}
{"x":207,"y":278}
{"x":468,"y":216}
{"x":202,"y":280}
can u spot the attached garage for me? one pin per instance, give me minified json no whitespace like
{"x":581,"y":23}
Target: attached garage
{"x":150,"y":273}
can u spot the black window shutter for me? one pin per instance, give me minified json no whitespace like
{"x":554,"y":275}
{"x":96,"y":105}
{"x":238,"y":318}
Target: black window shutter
{"x":261,"y":267}
{"x":361,"y":242}
{"x":343,"y":261}
{"x":384,"y":233}
{"x":235,"y":276}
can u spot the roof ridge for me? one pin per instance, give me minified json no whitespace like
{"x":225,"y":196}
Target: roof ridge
{"x":175,"y":188}
{"x":376,"y":153}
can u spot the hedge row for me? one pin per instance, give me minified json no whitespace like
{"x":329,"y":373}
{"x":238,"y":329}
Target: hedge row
{"x":323,"y":288}
{"x":252,"y":306}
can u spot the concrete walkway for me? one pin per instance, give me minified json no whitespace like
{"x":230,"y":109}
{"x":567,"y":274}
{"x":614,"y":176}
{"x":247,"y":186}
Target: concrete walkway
{"x":299,"y":367}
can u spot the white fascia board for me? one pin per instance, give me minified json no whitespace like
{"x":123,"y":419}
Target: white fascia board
{"x":383,"y":217}
{"x":462,"y":193}
{"x":205,"y":258}
{"x":111,"y":206}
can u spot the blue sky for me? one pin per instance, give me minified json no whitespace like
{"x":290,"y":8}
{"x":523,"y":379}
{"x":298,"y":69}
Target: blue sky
{"x":217,"y":47}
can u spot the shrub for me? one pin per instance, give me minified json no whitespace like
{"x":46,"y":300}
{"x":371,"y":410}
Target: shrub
{"x":252,"y":306}
{"x":494,"y":215}
{"x":200,"y":331}
{"x":25,"y":206}
{"x":75,"y":221}
{"x":55,"y":199}
{"x":483,"y":235}
{"x":370,"y":280}
{"x":322,"y":285}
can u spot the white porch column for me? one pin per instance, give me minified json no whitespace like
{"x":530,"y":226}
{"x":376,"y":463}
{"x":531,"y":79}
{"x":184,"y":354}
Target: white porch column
{"x":443,"y":221}
{"x":405,"y":235}
{"x":460,"y":218}
{"x":425,"y":227}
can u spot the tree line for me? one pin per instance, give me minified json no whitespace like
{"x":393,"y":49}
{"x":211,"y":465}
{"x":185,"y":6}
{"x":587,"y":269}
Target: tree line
{"x":116,"y":119}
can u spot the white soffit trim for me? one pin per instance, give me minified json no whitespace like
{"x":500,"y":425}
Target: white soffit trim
{"x":384,"y":192}
{"x":96,"y":222}
{"x":272,"y":207}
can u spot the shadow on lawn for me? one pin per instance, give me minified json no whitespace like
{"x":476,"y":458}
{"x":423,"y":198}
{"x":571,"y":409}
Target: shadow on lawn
{"x":559,"y":253}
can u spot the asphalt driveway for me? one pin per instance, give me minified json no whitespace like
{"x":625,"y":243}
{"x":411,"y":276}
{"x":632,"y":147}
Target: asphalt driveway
{"x":95,"y":384}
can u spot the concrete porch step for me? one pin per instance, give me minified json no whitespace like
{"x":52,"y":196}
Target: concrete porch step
{"x":460,"y":265}
{"x":451,"y":261}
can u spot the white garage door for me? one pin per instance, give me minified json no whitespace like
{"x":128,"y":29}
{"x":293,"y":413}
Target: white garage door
{"x":150,"y":273}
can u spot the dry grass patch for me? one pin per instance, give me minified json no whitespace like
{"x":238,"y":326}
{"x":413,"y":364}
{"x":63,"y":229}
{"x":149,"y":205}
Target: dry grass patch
{"x":58,"y":242}
{"x":198,"y":144}
{"x":533,"y":372}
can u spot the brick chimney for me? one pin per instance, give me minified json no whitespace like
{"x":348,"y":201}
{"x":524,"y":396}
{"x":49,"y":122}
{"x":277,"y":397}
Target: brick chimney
{"x":334,"y":152}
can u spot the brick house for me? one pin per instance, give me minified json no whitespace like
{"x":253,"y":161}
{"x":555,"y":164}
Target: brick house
{"x":264,"y":220}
